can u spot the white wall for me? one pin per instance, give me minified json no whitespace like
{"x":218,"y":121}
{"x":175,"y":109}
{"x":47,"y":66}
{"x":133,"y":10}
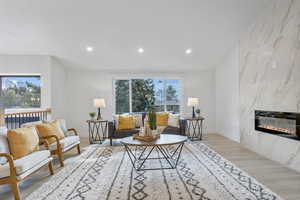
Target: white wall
{"x":83,"y":86}
{"x":227,"y":97}
{"x":58,"y":89}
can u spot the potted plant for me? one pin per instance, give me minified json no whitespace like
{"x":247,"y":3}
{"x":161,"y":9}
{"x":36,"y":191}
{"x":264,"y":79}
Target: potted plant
{"x":151,"y":130}
{"x":198,"y":112}
{"x":92,"y":115}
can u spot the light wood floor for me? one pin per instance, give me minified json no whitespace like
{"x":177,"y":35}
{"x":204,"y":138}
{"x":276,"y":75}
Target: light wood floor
{"x":278,"y":178}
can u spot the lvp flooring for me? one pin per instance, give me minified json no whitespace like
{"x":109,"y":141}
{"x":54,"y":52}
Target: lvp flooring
{"x":280,"y":179}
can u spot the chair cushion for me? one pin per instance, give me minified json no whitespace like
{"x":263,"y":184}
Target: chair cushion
{"x":52,"y":128}
{"x":3,"y":144}
{"x":25,"y":163}
{"x":65,"y":143}
{"x":22,"y":141}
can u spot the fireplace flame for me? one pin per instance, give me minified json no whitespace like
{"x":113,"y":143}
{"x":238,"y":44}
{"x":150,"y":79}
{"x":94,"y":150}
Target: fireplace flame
{"x":283,"y":130}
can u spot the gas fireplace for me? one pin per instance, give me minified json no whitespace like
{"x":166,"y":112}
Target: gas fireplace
{"x":285,"y":124}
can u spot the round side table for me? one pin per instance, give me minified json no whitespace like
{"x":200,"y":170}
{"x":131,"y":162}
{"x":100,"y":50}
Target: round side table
{"x":97,"y":130}
{"x":194,"y":128}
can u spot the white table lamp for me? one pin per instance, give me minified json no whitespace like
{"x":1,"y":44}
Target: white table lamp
{"x":99,"y":103}
{"x":192,"y":102}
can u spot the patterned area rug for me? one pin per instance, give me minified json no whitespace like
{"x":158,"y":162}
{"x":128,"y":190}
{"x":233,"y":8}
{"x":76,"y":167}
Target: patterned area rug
{"x":107,"y":173}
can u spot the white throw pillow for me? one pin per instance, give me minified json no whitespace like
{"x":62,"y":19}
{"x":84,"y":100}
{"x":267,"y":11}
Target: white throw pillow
{"x":173,"y":120}
{"x":138,"y":120}
{"x":31,"y":124}
{"x":3,"y":144}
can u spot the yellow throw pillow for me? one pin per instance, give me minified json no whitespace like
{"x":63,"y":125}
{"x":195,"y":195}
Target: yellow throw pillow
{"x":23,"y":141}
{"x":52,"y":128}
{"x":126,"y":122}
{"x":162,"y":119}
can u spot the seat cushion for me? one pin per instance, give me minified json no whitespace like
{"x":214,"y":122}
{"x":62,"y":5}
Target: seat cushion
{"x":125,"y":133}
{"x":22,"y":141}
{"x":48,"y":129}
{"x":25,"y":163}
{"x":65,"y":143}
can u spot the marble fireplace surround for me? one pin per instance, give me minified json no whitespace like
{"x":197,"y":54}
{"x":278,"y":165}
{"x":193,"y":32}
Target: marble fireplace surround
{"x":269,"y":78}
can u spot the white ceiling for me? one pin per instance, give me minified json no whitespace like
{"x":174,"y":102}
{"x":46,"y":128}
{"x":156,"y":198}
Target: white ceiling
{"x":116,"y":29}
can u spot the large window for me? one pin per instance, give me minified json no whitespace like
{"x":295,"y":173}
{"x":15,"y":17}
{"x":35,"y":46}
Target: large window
{"x":131,"y":94}
{"x":20,"y":91}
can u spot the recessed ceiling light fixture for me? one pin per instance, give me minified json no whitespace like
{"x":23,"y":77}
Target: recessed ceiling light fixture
{"x":188,"y":51}
{"x":141,"y":50}
{"x":89,"y":49}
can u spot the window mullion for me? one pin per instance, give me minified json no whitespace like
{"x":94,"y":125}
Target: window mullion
{"x":130,"y":95}
{"x":165,"y":95}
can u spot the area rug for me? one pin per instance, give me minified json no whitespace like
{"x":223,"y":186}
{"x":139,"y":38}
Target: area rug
{"x":104,"y":173}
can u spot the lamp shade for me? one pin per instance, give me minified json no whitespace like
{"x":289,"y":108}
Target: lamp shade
{"x":99,"y":103}
{"x":193,"y":101}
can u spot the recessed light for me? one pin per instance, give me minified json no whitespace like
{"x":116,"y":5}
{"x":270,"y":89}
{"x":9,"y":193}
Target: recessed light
{"x":188,"y":51}
{"x":141,"y":50}
{"x":89,"y":49}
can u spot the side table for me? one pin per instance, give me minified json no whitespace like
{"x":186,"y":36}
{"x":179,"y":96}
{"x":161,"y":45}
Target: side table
{"x":194,"y":128}
{"x":97,"y":130}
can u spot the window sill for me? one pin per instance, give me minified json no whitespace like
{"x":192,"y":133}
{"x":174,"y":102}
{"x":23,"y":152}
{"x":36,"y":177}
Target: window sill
{"x":20,"y":110}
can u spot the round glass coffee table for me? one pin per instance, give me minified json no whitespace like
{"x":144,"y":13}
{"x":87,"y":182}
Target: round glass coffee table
{"x":168,"y":150}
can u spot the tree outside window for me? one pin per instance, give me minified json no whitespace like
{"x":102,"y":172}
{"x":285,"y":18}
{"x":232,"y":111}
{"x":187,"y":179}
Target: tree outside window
{"x":165,"y":93}
{"x":20,"y":91}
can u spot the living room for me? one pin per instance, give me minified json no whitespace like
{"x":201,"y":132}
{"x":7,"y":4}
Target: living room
{"x":204,"y":86}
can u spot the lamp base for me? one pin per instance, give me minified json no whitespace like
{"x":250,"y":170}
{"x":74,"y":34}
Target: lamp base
{"x":194,"y":115}
{"x":99,"y":114}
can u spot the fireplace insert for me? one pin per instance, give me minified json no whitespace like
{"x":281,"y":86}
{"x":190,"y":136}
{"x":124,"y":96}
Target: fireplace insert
{"x":285,"y":124}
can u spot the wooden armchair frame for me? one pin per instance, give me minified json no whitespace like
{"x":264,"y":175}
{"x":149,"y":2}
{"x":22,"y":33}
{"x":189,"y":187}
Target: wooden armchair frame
{"x":13,"y":179}
{"x":58,"y":150}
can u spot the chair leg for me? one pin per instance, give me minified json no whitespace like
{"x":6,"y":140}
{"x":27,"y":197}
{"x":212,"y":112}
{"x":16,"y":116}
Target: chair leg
{"x":15,"y":190}
{"x":78,"y":148}
{"x":51,"y":168}
{"x":61,"y":159}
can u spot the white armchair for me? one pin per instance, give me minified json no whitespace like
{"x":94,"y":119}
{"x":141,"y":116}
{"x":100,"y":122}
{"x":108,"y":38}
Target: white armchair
{"x":14,"y":171}
{"x":61,"y":146}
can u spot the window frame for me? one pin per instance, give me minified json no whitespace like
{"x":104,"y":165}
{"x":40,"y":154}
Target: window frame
{"x":23,"y":76}
{"x":180,"y":96}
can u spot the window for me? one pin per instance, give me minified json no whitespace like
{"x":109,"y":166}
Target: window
{"x":130,"y":94}
{"x":20,"y":91}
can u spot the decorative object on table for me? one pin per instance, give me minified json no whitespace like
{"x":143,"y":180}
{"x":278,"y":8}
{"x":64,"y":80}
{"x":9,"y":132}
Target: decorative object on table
{"x":192,"y":102}
{"x":99,"y":103}
{"x":194,"y":128}
{"x":198,"y":112}
{"x":92,"y":115}
{"x":97,"y":130}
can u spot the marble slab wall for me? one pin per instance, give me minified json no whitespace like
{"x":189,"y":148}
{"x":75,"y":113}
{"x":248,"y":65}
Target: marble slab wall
{"x":269,"y":78}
